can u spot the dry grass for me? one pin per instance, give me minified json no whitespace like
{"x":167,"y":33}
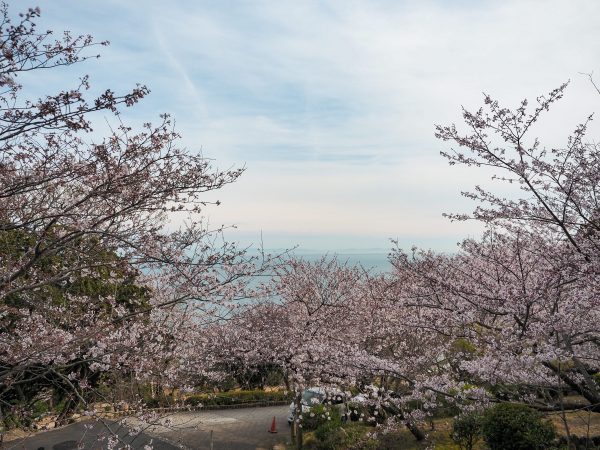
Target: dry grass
{"x":581,"y":423}
{"x":439,"y":436}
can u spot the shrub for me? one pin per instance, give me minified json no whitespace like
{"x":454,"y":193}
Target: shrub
{"x":466,"y":430}
{"x":320,"y":415}
{"x":509,"y":426}
{"x":237,"y":397}
{"x":40,"y":408}
{"x":332,"y":436}
{"x":333,"y":439}
{"x":357,"y":411}
{"x":152,"y":403}
{"x":12,"y":421}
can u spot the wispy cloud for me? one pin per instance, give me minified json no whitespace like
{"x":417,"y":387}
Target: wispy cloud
{"x":331,"y":104}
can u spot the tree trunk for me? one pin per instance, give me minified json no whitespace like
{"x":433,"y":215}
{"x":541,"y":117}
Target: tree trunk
{"x":416,"y":431}
{"x":297,"y":424}
{"x":590,"y":393}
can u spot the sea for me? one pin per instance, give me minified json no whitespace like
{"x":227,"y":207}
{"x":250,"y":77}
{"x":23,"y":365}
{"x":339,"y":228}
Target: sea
{"x":376,"y":261}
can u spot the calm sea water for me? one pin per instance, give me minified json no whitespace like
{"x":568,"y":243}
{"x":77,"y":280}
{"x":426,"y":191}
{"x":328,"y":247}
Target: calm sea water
{"x":376,"y":262}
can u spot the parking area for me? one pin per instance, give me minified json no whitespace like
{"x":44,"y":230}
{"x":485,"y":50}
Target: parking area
{"x":244,"y":429}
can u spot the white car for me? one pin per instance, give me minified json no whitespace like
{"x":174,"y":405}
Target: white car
{"x":316,"y":396}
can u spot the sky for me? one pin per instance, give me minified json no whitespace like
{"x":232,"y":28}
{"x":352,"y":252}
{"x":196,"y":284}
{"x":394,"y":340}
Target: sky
{"x":331,"y":105}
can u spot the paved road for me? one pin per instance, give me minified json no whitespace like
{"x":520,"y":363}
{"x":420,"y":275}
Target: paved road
{"x":67,"y":438}
{"x":243,"y":429}
{"x":232,"y":429}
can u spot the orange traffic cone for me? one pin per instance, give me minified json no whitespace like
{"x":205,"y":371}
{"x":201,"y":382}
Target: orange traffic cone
{"x":273,"y":426}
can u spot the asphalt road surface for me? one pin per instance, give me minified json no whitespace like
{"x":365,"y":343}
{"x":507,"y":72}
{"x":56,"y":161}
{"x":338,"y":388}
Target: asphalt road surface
{"x":243,"y":429}
{"x":93,"y":438}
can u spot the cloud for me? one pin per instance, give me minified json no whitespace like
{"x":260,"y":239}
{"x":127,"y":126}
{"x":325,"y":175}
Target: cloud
{"x":331,"y":105}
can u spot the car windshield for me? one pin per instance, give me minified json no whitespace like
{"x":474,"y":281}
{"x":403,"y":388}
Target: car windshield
{"x":312,"y":397}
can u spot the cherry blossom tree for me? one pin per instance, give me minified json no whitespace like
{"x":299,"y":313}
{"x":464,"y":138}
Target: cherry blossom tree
{"x":517,"y":321}
{"x":305,"y":326}
{"x":551,"y":240}
{"x":302,"y":326}
{"x":515,"y":312}
{"x":559,"y":185}
{"x":93,"y":274}
{"x":334,"y":326}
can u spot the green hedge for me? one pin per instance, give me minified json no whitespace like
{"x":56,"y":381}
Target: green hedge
{"x":508,"y":426}
{"x":237,"y":398}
